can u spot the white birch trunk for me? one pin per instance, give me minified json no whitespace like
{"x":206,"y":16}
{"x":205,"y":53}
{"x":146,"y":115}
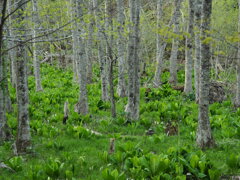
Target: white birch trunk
{"x":237,"y":101}
{"x":102,"y":59}
{"x":204,"y":134}
{"x":36,"y":63}
{"x":189,"y":49}
{"x":159,"y":57}
{"x":133,"y":62}
{"x":197,"y":20}
{"x":121,"y":88}
{"x":175,"y":44}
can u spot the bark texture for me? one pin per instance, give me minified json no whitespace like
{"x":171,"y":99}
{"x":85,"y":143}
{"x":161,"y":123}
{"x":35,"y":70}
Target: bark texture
{"x":197,"y":23}
{"x":189,"y":49}
{"x":81,"y":61}
{"x":121,"y":88}
{"x":4,"y":133}
{"x":23,"y":141}
{"x":237,"y":101}
{"x":175,"y":44}
{"x":159,"y":57}
{"x":133,"y":62}
{"x":36,"y":62}
{"x":102,"y":60}
{"x":204,"y":134}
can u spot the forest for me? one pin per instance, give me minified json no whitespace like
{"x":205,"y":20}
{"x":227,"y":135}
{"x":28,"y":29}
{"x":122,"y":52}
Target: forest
{"x":119,"y":89}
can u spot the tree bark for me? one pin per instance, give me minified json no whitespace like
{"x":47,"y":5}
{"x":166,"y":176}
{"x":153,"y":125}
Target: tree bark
{"x":90,"y":42}
{"x":36,"y":63}
{"x":4,"y":131}
{"x":197,"y":23}
{"x":159,"y":57}
{"x":133,"y":62}
{"x":204,"y":134}
{"x":81,"y":61}
{"x":121,"y":88}
{"x":102,"y":60}
{"x":189,"y":49}
{"x":175,"y":44}
{"x":237,"y":101}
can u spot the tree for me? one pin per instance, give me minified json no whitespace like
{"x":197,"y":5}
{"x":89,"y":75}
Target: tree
{"x":237,"y":101}
{"x":36,"y":63}
{"x":121,"y":88}
{"x":102,"y":60}
{"x":133,"y":62}
{"x":197,"y":23}
{"x":157,"y":79}
{"x":23,"y":132}
{"x":204,"y":134}
{"x":4,"y":133}
{"x":175,"y":44}
{"x":189,"y":49}
{"x":82,"y":107}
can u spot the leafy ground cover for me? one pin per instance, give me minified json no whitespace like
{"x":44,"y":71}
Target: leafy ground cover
{"x":72,"y":151}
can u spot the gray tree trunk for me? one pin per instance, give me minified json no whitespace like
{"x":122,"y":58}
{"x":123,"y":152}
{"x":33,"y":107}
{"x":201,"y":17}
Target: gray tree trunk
{"x":159,"y":54}
{"x":175,"y":44}
{"x":36,"y":63}
{"x":109,"y":51}
{"x":81,"y":61}
{"x":204,"y":134}
{"x":102,"y":60}
{"x":121,"y":88}
{"x":237,"y":101}
{"x":133,"y":62}
{"x":189,"y":49}
{"x":90,"y":42}
{"x":23,"y":141}
{"x":4,"y":133}
{"x":197,"y":20}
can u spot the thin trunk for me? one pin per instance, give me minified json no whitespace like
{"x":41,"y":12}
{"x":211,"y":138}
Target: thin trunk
{"x":4,"y":131}
{"x":133,"y":62}
{"x":36,"y":62}
{"x":82,"y":63}
{"x":102,"y":59}
{"x":121,"y":88}
{"x":175,"y":44}
{"x":159,"y":57}
{"x":90,"y":42}
{"x":204,"y":134}
{"x":197,"y":20}
{"x":237,"y":101}
{"x":189,"y":49}
{"x":109,"y":46}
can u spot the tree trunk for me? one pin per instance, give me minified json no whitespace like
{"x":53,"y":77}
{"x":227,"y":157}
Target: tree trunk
{"x":102,"y":59}
{"x":121,"y":88}
{"x":133,"y":62}
{"x":237,"y":101}
{"x":204,"y":135}
{"x":189,"y":49}
{"x":90,"y":42}
{"x":4,"y":131}
{"x":159,"y":57}
{"x":197,"y":20}
{"x":36,"y":63}
{"x":175,"y":44}
{"x":109,"y":52}
{"x":81,"y":61}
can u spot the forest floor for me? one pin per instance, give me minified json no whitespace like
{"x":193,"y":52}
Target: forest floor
{"x":72,"y":151}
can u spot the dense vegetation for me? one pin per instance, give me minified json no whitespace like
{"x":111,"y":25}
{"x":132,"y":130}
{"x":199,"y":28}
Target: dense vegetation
{"x":119,"y":89}
{"x":71,"y":151}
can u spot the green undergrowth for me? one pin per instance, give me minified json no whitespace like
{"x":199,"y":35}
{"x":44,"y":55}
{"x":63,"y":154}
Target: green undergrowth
{"x":73,"y":151}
